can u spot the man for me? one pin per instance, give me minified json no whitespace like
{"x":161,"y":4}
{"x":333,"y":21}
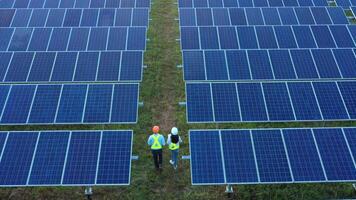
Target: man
{"x":156,"y":141}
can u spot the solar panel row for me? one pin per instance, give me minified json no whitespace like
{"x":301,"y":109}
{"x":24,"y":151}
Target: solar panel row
{"x":302,"y":64}
{"x":272,"y":156}
{"x":71,"y":66}
{"x":268,"y":37}
{"x":270,"y":102}
{"x":261,"y":16}
{"x":74,"y":4}
{"x":72,"y":39}
{"x":73,"y":17}
{"x":251,"y":3}
{"x":345,"y":3}
{"x":51,"y":158}
{"x":69,"y":104}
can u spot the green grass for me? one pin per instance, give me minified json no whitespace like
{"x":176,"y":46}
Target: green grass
{"x":161,"y":90}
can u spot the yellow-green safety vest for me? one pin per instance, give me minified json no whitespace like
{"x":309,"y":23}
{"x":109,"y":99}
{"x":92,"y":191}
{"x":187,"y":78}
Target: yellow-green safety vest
{"x":173,"y":146}
{"x":156,"y":144}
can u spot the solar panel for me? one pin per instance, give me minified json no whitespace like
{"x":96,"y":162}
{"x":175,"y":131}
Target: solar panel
{"x":268,"y":101}
{"x":206,"y":157}
{"x":75,"y":4}
{"x":277,"y":15}
{"x":66,"y":104}
{"x":93,"y":66}
{"x":58,"y":158}
{"x":264,"y":156}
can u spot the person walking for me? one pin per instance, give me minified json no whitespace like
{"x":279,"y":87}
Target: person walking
{"x":156,"y":141}
{"x":173,"y":142}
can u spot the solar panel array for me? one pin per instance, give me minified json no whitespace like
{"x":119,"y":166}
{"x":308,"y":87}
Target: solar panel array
{"x":271,"y":101}
{"x":47,"y":45}
{"x":274,"y":60}
{"x":69,"y":104}
{"x":264,"y":156}
{"x":65,"y":158}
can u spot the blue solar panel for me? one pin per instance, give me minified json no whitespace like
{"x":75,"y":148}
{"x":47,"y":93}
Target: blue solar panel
{"x":303,"y":64}
{"x":40,"y":39}
{"x":41,"y":67}
{"x":282,"y":64}
{"x":18,"y":104}
{"x":239,"y":158}
{"x":16,"y":158}
{"x":288,"y":16}
{"x":323,"y":37}
{"x":247,"y":37}
{"x":51,"y":104}
{"x":261,"y":156}
{"x":260,"y":64}
{"x":330,"y":101}
{"x":125,"y":103}
{"x":336,"y":156}
{"x":277,"y":101}
{"x":4,"y":91}
{"x":225,"y":101}
{"x":237,"y":16}
{"x":320,"y":15}
{"x":346,"y":60}
{"x":87,"y":64}
{"x":304,"y":37}
{"x":193,"y":62}
{"x":303,"y":155}
{"x":98,"y":103}
{"x":266,"y":37}
{"x":238,"y":65}
{"x":52,"y":158}
{"x":208,"y":38}
{"x":304,"y":102}
{"x":220,"y":16}
{"x":115,"y":158}
{"x":59,"y":39}
{"x":348,"y":91}
{"x":70,"y":108}
{"x":350,"y":134}
{"x":199,"y":105}
{"x":47,"y":167}
{"x":304,"y":16}
{"x":228,"y":38}
{"x":251,"y":102}
{"x":271,"y":156}
{"x":19,"y":67}
{"x":280,"y":101}
{"x":254,"y":16}
{"x":190,"y":38}
{"x":117,"y":38}
{"x":271,"y":16}
{"x":108,"y":67}
{"x":285,"y":37}
{"x":78,"y":39}
{"x":204,"y":17}
{"x":206,"y":158}
{"x":326,"y":64}
{"x":45,"y":103}
{"x":215,"y":65}
{"x":82,"y":158}
{"x":4,"y":62}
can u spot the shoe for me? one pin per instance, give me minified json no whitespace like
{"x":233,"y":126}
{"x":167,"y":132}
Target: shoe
{"x":171,"y":161}
{"x":175,"y":167}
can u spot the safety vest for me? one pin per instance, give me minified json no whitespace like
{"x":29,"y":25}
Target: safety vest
{"x":173,"y":146}
{"x":156,"y":144}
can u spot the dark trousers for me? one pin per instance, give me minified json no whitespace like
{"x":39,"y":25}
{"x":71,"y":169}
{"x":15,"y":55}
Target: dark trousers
{"x":157,"y":158}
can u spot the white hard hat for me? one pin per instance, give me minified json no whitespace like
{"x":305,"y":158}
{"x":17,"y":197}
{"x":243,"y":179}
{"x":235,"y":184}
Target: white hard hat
{"x":174,"y":131}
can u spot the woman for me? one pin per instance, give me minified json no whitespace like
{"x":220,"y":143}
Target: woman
{"x":173,"y":142}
